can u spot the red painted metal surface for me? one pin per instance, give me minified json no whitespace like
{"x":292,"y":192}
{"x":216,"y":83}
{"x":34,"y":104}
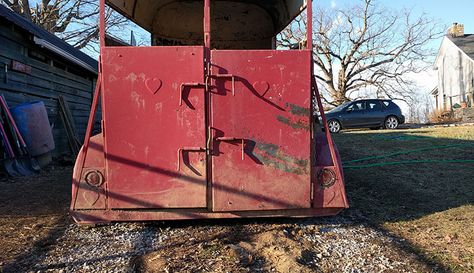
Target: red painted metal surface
{"x":191,"y":133}
{"x":263,"y":111}
{"x":309,"y":25}
{"x":155,"y":130}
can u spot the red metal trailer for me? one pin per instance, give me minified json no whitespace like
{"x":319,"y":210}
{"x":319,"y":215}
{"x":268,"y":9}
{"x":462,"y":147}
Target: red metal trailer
{"x":201,"y":127}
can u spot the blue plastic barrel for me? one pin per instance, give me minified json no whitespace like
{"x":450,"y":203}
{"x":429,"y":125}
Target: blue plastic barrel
{"x":33,"y":124}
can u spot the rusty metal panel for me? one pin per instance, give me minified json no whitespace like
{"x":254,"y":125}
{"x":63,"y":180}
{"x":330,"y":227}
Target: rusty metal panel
{"x":154,"y":127}
{"x":87,"y":195}
{"x":260,"y":128}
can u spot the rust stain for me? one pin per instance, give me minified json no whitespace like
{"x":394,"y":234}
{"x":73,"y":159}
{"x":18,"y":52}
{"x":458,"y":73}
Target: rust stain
{"x":299,"y":124}
{"x":298,"y":110}
{"x":272,"y":156}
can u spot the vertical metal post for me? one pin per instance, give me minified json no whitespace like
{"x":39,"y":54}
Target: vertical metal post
{"x":101,"y":24}
{"x":309,"y":24}
{"x":207,"y":68}
{"x":81,"y":157}
{"x":309,"y":45}
{"x":207,"y":26}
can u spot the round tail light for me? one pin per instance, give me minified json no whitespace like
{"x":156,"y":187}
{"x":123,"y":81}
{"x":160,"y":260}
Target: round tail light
{"x":326,"y":177}
{"x":94,"y":178}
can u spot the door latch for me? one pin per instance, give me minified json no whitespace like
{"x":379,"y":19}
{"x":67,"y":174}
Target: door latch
{"x":188,"y":84}
{"x":188,"y":149}
{"x":230,"y":139}
{"x":223,"y":76}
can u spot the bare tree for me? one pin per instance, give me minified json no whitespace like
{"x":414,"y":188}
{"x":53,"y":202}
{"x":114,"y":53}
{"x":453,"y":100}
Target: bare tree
{"x":366,"y":47}
{"x":420,"y":111}
{"x":75,"y":21}
{"x":21,"y":7}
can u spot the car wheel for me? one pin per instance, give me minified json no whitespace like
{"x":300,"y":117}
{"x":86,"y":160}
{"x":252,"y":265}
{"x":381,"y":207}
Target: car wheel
{"x":391,"y":122}
{"x":374,"y":128}
{"x":334,"y":126}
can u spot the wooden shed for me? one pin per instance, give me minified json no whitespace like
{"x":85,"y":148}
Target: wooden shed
{"x":37,"y":65}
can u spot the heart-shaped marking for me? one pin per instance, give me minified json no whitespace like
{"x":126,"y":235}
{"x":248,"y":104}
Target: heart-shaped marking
{"x":91,"y":197}
{"x":153,"y":84}
{"x":261,"y":87}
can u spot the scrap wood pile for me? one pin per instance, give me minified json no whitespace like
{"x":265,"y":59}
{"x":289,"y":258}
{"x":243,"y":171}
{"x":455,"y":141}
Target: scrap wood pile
{"x":71,"y":132}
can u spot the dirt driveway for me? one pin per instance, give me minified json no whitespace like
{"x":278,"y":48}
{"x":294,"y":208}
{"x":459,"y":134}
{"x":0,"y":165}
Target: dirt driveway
{"x":36,"y":233}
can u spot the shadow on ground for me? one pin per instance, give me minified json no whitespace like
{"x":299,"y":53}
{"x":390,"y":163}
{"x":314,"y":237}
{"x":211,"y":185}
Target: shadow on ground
{"x":33,"y":215}
{"x":407,"y":191}
{"x":417,"y":184}
{"x":378,"y":195}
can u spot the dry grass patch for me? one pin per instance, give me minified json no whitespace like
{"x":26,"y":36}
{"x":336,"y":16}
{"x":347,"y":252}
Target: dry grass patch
{"x":447,"y":236}
{"x":430,"y":204}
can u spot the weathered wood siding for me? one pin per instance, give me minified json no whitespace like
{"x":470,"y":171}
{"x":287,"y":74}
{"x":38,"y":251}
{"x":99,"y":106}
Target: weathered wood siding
{"x":51,"y":76}
{"x":455,"y":75}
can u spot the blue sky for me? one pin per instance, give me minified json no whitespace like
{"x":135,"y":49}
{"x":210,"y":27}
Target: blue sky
{"x":447,"y":12}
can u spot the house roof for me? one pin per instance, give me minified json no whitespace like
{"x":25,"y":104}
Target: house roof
{"x":50,"y":41}
{"x":465,"y":43}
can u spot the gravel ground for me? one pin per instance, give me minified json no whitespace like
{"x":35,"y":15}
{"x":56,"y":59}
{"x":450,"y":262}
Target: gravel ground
{"x":315,"y":245}
{"x":37,"y":235}
{"x":107,"y":248}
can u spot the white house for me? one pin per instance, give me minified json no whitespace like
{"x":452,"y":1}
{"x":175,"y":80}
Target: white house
{"x":455,"y":66}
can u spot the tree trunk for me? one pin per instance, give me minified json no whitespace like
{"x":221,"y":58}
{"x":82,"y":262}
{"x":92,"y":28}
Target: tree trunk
{"x":26,"y":12}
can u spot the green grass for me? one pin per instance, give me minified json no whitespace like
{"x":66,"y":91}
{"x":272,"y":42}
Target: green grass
{"x":427,"y":198}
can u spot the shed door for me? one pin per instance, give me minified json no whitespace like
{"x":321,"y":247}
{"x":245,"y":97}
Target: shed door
{"x":260,"y":130}
{"x":154,"y":127}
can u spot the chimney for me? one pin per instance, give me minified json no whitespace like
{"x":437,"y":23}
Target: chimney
{"x":456,"y":30}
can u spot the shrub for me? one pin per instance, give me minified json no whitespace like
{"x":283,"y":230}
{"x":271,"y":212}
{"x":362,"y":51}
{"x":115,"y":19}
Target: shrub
{"x":442,"y":116}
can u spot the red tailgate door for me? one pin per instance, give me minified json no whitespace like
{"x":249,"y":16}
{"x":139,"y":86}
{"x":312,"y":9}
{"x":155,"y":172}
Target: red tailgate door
{"x":260,"y":129}
{"x":153,"y":125}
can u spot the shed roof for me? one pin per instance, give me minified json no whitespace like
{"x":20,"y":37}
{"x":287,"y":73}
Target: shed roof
{"x":465,"y":43}
{"x":50,"y":41}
